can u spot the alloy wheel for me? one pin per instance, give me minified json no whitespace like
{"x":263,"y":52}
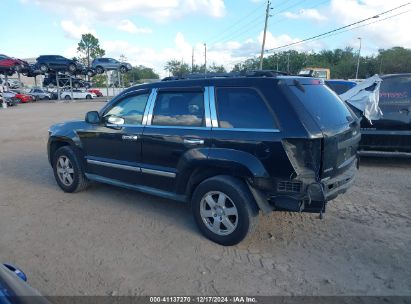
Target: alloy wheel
{"x":65,"y":170}
{"x":219,"y":213}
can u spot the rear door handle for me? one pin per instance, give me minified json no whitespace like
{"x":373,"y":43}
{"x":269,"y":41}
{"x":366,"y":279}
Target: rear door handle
{"x":193,"y":141}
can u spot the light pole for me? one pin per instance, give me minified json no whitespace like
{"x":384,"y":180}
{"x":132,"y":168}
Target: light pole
{"x":358,"y":60}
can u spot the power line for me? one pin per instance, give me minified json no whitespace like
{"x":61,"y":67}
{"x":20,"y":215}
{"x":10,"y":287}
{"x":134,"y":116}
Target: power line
{"x":337,"y":29}
{"x":362,"y":25}
{"x":311,"y":7}
{"x":239,"y":21}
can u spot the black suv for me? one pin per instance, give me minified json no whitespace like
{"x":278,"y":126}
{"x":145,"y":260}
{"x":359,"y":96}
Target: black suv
{"x":229,"y":146}
{"x":392,"y":132}
{"x":56,"y":63}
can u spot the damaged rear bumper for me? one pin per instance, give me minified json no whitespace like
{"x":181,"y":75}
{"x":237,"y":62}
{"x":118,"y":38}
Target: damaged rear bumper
{"x":312,"y":198}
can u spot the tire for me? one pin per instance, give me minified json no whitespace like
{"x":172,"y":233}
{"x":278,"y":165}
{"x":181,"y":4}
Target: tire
{"x":99,"y":70}
{"x":44,"y":68}
{"x":72,"y":67}
{"x":62,"y":169}
{"x":88,"y":96}
{"x":46,"y":98}
{"x":67,"y":97}
{"x":123,"y":69}
{"x":238,"y":202}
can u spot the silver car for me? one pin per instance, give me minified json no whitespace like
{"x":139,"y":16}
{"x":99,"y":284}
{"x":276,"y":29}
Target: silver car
{"x":108,"y":64}
{"x":38,"y":94}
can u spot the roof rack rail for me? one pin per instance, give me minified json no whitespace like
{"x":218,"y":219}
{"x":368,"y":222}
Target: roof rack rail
{"x":252,"y":73}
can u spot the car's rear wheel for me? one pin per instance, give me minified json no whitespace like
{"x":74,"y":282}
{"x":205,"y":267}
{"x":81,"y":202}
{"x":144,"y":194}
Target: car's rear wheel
{"x":67,"y":97}
{"x":88,"y":96}
{"x":46,"y":98}
{"x":224,"y":209}
{"x":123,"y":69}
{"x":99,"y":70}
{"x":72,"y":67}
{"x":68,"y":171}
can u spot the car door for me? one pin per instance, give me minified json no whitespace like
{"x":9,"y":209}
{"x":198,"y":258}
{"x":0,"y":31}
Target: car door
{"x":113,"y":149}
{"x":176,"y":127}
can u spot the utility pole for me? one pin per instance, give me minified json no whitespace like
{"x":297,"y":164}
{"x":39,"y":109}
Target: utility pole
{"x":267,"y":14}
{"x":358,"y":61}
{"x":192,"y":61}
{"x":205,"y":59}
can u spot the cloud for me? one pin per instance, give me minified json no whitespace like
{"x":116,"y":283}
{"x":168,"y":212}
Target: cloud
{"x":310,"y":14}
{"x":381,"y":34}
{"x":73,"y":31}
{"x":128,"y":26}
{"x":159,"y":11}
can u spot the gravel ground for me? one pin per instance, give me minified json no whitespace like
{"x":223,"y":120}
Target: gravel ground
{"x":114,"y":241}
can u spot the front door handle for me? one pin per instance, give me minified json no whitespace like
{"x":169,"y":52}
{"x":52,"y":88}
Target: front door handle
{"x":193,"y":141}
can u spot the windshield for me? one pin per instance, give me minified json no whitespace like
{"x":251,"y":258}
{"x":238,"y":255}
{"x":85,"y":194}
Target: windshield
{"x":323,"y":104}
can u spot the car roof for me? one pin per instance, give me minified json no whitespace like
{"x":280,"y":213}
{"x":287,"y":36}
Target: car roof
{"x":395,"y":75}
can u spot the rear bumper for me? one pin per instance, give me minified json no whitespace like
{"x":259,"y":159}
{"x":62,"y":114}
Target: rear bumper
{"x":313,"y":196}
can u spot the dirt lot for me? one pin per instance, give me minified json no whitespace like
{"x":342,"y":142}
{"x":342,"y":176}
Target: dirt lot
{"x":113,"y":241}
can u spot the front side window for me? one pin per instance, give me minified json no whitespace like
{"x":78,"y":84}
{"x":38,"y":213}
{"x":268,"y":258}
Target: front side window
{"x":131,"y":109}
{"x":242,"y":108}
{"x":179,"y":109}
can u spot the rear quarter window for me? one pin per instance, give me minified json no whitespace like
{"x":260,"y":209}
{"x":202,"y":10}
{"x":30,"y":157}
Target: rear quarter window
{"x":325,"y":107}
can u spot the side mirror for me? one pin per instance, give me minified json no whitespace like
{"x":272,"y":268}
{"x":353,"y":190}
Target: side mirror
{"x":115,"y":120}
{"x":92,"y":117}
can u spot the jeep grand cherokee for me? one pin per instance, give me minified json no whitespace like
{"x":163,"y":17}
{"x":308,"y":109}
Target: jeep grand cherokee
{"x":229,"y":146}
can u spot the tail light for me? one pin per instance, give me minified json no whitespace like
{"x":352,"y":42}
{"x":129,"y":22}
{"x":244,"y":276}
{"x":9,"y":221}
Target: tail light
{"x":305,"y":156}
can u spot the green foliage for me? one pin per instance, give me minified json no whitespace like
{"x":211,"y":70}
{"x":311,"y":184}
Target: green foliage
{"x":341,"y":62}
{"x":216,"y":68}
{"x":177,"y":68}
{"x":89,"y":48}
{"x":138,"y":74}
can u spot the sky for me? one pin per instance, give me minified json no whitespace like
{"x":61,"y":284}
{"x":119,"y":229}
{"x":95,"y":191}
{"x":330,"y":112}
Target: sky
{"x":151,"y":32}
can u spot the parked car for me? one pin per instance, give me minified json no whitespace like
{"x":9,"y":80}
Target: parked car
{"x":24,"y":98}
{"x":10,"y":101}
{"x":57,"y":63}
{"x":14,"y":287}
{"x":78,"y":94}
{"x":229,"y":146}
{"x":11,"y":83}
{"x":392,"y":132}
{"x":9,"y":65}
{"x":97,"y":92}
{"x":107,"y":64}
{"x":340,"y":86}
{"x":64,"y":81}
{"x":39,"y":93}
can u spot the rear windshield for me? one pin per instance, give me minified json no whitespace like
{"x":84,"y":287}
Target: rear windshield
{"x":327,"y":109}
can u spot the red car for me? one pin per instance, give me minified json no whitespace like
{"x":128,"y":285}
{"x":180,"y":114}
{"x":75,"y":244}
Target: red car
{"x":24,"y":98}
{"x":97,"y":92}
{"x":10,"y":65}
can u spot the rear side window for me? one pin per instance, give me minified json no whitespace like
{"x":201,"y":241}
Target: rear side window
{"x":242,"y":108}
{"x":179,"y":109}
{"x":396,"y":90}
{"x":327,"y":109}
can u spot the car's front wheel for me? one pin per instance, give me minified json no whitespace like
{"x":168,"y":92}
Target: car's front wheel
{"x":72,"y":67}
{"x":44,"y":68}
{"x":68,"y":171}
{"x":88,"y":96}
{"x":67,"y":97}
{"x":224,"y":209}
{"x":99,"y":70}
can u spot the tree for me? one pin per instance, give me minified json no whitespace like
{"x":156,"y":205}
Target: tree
{"x":89,"y":48}
{"x":138,"y":74}
{"x":216,"y":68}
{"x":177,"y":68}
